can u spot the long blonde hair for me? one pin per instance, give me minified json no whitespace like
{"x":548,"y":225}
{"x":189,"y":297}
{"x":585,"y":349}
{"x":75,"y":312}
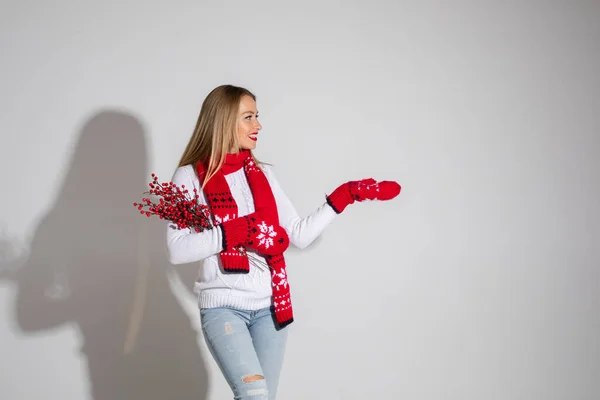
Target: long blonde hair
{"x":215,"y":133}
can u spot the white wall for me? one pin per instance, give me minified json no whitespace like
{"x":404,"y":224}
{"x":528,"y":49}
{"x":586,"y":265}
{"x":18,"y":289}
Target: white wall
{"x":479,"y":282}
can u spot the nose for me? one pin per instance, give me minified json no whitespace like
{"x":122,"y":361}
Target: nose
{"x":257,"y":125}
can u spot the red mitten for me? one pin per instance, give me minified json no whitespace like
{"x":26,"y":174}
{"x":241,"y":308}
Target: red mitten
{"x":254,"y":232}
{"x":364,"y":189}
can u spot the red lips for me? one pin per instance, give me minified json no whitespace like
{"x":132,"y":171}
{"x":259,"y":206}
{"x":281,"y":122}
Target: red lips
{"x":253,"y":138}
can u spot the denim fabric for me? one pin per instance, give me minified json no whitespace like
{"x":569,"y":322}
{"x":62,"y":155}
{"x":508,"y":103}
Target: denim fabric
{"x":246,"y":343}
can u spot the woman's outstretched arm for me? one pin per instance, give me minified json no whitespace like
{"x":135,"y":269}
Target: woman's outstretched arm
{"x":302,"y":231}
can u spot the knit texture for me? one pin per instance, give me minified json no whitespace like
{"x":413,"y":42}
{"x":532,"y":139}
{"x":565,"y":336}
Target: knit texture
{"x":262,"y":227}
{"x":245,"y":291}
{"x":361,"y":190}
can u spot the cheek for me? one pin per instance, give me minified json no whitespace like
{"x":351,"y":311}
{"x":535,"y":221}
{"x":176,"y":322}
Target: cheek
{"x":243,"y":128}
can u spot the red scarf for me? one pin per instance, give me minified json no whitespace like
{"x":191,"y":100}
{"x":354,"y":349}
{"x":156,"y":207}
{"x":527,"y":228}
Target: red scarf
{"x":224,"y":208}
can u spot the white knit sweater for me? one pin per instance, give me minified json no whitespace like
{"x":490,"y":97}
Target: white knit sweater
{"x":249,"y":291}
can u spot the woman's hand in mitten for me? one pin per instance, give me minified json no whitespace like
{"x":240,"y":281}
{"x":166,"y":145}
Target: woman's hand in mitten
{"x":361,"y":190}
{"x":255,"y":232}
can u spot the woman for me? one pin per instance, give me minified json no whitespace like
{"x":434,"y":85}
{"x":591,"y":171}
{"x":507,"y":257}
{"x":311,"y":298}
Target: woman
{"x":242,"y":287}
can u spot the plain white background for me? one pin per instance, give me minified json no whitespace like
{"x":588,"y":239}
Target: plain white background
{"x":480,"y":281}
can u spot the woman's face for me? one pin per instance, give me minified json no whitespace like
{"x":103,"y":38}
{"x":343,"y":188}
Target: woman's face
{"x":248,"y":125}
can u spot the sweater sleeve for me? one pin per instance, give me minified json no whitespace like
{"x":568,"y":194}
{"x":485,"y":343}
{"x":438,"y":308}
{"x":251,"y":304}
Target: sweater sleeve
{"x":184,"y":245}
{"x":301,"y":231}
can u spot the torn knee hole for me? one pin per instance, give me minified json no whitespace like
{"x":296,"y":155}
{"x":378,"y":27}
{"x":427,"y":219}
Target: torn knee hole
{"x":252,"y":378}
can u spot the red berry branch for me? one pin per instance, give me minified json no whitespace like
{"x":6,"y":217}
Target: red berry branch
{"x":175,"y":204}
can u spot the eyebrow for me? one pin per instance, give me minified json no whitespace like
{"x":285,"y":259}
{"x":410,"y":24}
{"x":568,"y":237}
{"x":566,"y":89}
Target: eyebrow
{"x":249,"y":112}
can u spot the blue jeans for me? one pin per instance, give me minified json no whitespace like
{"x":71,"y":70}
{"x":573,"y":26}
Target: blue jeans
{"x":248,"y":349}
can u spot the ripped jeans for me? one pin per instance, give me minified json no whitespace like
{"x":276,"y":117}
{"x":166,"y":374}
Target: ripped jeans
{"x":247,"y":348}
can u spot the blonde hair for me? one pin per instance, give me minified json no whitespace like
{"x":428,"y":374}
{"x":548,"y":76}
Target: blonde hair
{"x":215,"y":133}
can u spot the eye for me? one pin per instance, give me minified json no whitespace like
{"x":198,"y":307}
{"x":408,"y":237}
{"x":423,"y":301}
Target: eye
{"x":249,"y":117}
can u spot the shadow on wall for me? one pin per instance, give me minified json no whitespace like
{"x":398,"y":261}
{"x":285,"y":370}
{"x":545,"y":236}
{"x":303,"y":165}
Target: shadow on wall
{"x":95,"y":261}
